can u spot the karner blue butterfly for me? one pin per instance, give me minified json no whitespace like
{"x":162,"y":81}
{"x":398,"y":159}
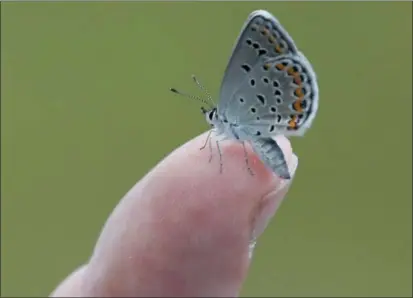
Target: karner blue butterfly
{"x":269,"y":88}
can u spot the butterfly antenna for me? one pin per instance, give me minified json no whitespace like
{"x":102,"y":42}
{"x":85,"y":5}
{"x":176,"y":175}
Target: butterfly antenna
{"x":203,"y":89}
{"x":191,"y":96}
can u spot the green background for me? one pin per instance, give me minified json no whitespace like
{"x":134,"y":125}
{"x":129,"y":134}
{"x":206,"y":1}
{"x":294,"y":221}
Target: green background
{"x":86,"y":112}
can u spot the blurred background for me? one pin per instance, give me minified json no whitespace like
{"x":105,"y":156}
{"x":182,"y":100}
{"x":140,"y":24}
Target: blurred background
{"x":86,"y":112}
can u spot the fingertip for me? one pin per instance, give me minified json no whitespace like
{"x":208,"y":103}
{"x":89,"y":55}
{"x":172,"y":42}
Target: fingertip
{"x":187,"y":216}
{"x":234,"y":160}
{"x":72,"y":286}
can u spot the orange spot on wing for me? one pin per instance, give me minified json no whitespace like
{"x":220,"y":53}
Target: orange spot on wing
{"x":265,"y":31}
{"x":292,"y":123}
{"x":279,"y":66}
{"x":291,"y":71}
{"x":297,"y":79}
{"x":297,"y":106}
{"x":278,"y":49}
{"x":299,"y":92}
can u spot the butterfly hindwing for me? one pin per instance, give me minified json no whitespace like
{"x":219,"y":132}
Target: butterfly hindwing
{"x":279,"y":96}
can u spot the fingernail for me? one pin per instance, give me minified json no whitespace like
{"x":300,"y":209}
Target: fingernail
{"x":270,"y":203}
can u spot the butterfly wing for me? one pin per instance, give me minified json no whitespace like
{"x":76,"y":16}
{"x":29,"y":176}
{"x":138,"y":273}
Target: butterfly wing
{"x":261,"y":37}
{"x":272,"y":156}
{"x":278,"y":96}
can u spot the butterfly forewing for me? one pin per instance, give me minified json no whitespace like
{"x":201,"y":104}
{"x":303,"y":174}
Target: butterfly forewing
{"x":261,"y":37}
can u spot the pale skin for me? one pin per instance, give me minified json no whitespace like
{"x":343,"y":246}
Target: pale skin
{"x":184,"y":230}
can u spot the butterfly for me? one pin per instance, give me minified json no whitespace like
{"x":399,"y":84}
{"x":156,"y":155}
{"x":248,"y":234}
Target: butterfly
{"x":269,"y":88}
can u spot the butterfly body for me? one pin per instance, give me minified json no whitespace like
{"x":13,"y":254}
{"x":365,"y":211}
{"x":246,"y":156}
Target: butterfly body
{"x":228,"y":130}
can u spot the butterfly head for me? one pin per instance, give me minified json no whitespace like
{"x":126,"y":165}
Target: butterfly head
{"x":211,"y":115}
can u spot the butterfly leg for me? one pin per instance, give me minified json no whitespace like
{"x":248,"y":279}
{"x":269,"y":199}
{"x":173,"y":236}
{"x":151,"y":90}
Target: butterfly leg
{"x":247,"y":162}
{"x":210,"y":150}
{"x":220,"y":157}
{"x":206,"y":141}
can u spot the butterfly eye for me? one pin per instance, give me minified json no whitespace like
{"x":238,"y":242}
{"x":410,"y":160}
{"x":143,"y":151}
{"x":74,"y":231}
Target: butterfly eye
{"x":211,"y":115}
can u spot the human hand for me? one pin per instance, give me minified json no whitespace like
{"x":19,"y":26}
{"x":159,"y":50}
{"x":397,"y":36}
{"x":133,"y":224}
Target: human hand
{"x":184,"y":230}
